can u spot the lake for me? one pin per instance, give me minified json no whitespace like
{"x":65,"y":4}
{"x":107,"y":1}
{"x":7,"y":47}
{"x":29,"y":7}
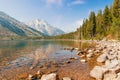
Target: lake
{"x":20,"y":58}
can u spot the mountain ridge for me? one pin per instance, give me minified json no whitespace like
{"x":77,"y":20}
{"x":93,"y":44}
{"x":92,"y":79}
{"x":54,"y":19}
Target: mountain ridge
{"x":44,"y":27}
{"x":10,"y":27}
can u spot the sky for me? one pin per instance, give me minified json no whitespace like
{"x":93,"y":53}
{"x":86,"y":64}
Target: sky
{"x":67,"y":15}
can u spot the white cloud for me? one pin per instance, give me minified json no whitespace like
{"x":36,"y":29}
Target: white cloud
{"x":73,"y":26}
{"x":76,"y":2}
{"x":51,"y":2}
{"x":78,"y":23}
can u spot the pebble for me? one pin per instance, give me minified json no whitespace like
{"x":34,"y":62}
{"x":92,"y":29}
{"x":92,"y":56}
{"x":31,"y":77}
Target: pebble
{"x":83,"y":60}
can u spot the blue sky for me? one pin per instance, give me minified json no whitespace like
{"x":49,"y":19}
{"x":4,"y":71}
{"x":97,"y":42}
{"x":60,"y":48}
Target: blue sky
{"x":64,"y":14}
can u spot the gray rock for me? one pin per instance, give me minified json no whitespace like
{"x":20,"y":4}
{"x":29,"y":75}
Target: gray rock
{"x":102,"y":58}
{"x":111,"y":56}
{"x":51,"y":76}
{"x":66,"y":78}
{"x":89,"y":55}
{"x":96,"y":72}
{"x":110,"y":76}
{"x":113,"y":64}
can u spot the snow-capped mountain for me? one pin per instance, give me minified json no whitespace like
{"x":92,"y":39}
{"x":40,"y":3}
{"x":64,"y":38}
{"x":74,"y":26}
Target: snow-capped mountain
{"x":45,"y":28}
{"x":10,"y":27}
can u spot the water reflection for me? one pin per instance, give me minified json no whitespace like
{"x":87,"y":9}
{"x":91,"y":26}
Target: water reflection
{"x":11,"y":50}
{"x":43,"y":52}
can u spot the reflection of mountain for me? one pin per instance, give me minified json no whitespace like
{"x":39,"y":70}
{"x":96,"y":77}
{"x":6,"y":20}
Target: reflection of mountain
{"x":45,"y":51}
{"x":10,"y":50}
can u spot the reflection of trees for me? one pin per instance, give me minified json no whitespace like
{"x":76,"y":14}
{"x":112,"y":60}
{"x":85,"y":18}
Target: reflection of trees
{"x":13,"y":44}
{"x":10,"y":48}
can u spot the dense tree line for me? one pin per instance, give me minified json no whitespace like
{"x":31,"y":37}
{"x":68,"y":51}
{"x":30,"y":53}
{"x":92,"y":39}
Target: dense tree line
{"x":105,"y":23}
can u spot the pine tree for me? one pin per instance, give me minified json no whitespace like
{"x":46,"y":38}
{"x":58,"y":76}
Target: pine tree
{"x":116,"y":16}
{"x":92,"y":20}
{"x":116,"y":8}
{"x":107,"y":19}
{"x":99,"y":22}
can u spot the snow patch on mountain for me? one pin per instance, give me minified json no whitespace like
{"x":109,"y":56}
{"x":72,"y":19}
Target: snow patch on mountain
{"x":45,"y":28}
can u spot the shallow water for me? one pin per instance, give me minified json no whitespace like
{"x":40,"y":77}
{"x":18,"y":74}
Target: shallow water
{"x":20,"y":54}
{"x":11,"y":50}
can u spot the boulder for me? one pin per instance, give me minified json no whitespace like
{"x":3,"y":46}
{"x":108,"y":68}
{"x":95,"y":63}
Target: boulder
{"x":113,"y":64}
{"x":102,"y":58}
{"x":51,"y":76}
{"x":110,"y":76}
{"x":96,"y":72}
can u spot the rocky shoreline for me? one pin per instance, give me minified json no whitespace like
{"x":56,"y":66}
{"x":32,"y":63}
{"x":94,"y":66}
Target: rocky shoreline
{"x":84,"y":56}
{"x":110,"y":59}
{"x":107,"y":66}
{"x":98,"y":62}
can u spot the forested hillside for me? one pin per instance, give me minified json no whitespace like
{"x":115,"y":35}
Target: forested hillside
{"x":104,"y":24}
